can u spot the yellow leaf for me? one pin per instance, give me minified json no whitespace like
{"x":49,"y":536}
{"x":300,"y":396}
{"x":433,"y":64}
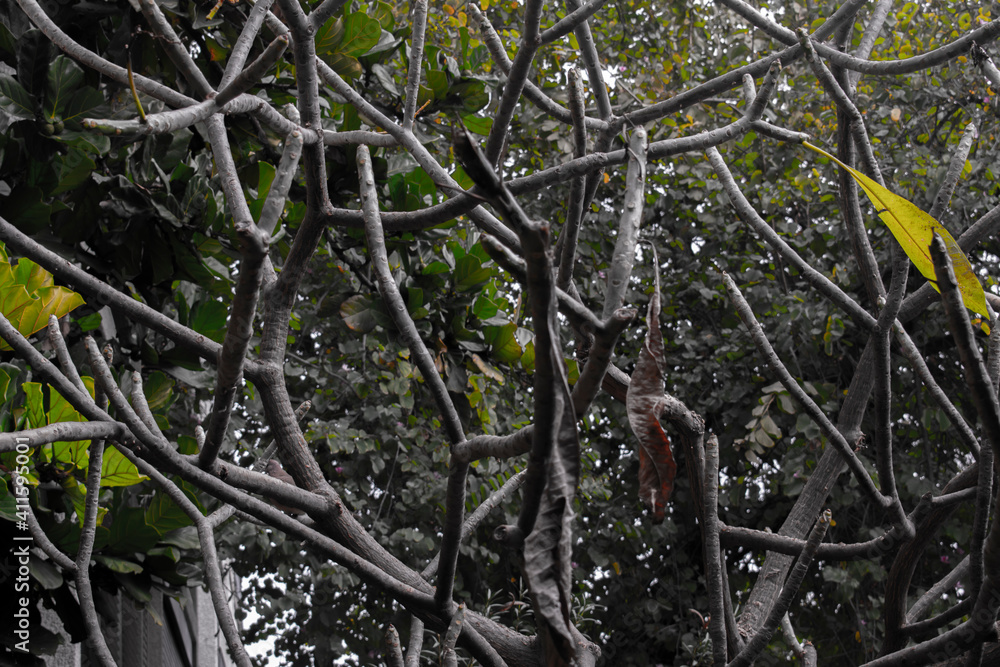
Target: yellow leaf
{"x":28,"y":296}
{"x":486,"y":369}
{"x":607,"y":177}
{"x":914,"y":230}
{"x":618,"y":569}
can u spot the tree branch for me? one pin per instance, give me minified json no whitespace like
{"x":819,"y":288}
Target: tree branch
{"x":88,"y":530}
{"x":760,"y":639}
{"x":836,"y":437}
{"x":412,"y":90}
{"x":237,"y":340}
{"x":713,"y":553}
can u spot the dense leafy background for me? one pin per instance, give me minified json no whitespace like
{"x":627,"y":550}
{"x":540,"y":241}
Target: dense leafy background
{"x":148,"y":217}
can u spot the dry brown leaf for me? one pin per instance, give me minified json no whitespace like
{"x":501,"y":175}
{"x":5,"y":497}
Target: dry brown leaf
{"x":644,"y":403}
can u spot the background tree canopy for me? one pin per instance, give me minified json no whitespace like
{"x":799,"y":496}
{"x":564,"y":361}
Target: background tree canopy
{"x":576,"y":354}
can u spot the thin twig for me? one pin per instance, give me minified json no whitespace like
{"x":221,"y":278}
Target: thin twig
{"x":713,"y":553}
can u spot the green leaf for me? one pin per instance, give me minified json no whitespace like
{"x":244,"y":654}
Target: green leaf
{"x":159,"y":390}
{"x":89,"y":322}
{"x":187,"y":445}
{"x":478,"y":125}
{"x":4,"y":384}
{"x":130,"y":532}
{"x":75,"y":492}
{"x":265,"y":176}
{"x":34,"y":53}
{"x":914,"y":230}
{"x":329,"y":36}
{"x":345,"y":65}
{"x":116,"y":470}
{"x":435,"y":267}
{"x":34,"y":404}
{"x":14,"y":99}
{"x":361,"y":33}
{"x":469,"y":274}
{"x":96,"y":144}
{"x":165,"y":515}
{"x":170,"y":553}
{"x":528,"y":358}
{"x":183,"y":538}
{"x":46,"y":574}
{"x":471,"y":93}
{"x":8,"y":43}
{"x":65,"y":76}
{"x":438,"y":82}
{"x":81,"y":104}
{"x":60,"y":410}
{"x":72,"y":170}
{"x":484,"y":308}
{"x":117,"y":564}
{"x":209,"y":318}
{"x":383,"y":14}
{"x":32,"y":276}
{"x":216,"y":52}
{"x":504,"y":343}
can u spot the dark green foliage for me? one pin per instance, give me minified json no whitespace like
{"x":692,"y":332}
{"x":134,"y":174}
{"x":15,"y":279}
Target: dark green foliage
{"x":147,"y":215}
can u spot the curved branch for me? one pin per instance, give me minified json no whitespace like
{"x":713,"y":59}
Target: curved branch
{"x":861,"y":65}
{"x":252,"y":75}
{"x":749,"y":216}
{"x":591,"y":61}
{"x":940,"y":587}
{"x":87,"y":57}
{"x":241,"y":49}
{"x":62,"y":354}
{"x":394,"y":300}
{"x":570,"y":234}
{"x":870,"y":36}
{"x":516,"y":77}
{"x":178,"y":55}
{"x":778,"y":368}
{"x":274,"y":204}
{"x":571,"y":21}
{"x":955,"y":167}
{"x":43,"y":542}
{"x":103,"y":294}
{"x":63,"y":432}
{"x":534,"y":94}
